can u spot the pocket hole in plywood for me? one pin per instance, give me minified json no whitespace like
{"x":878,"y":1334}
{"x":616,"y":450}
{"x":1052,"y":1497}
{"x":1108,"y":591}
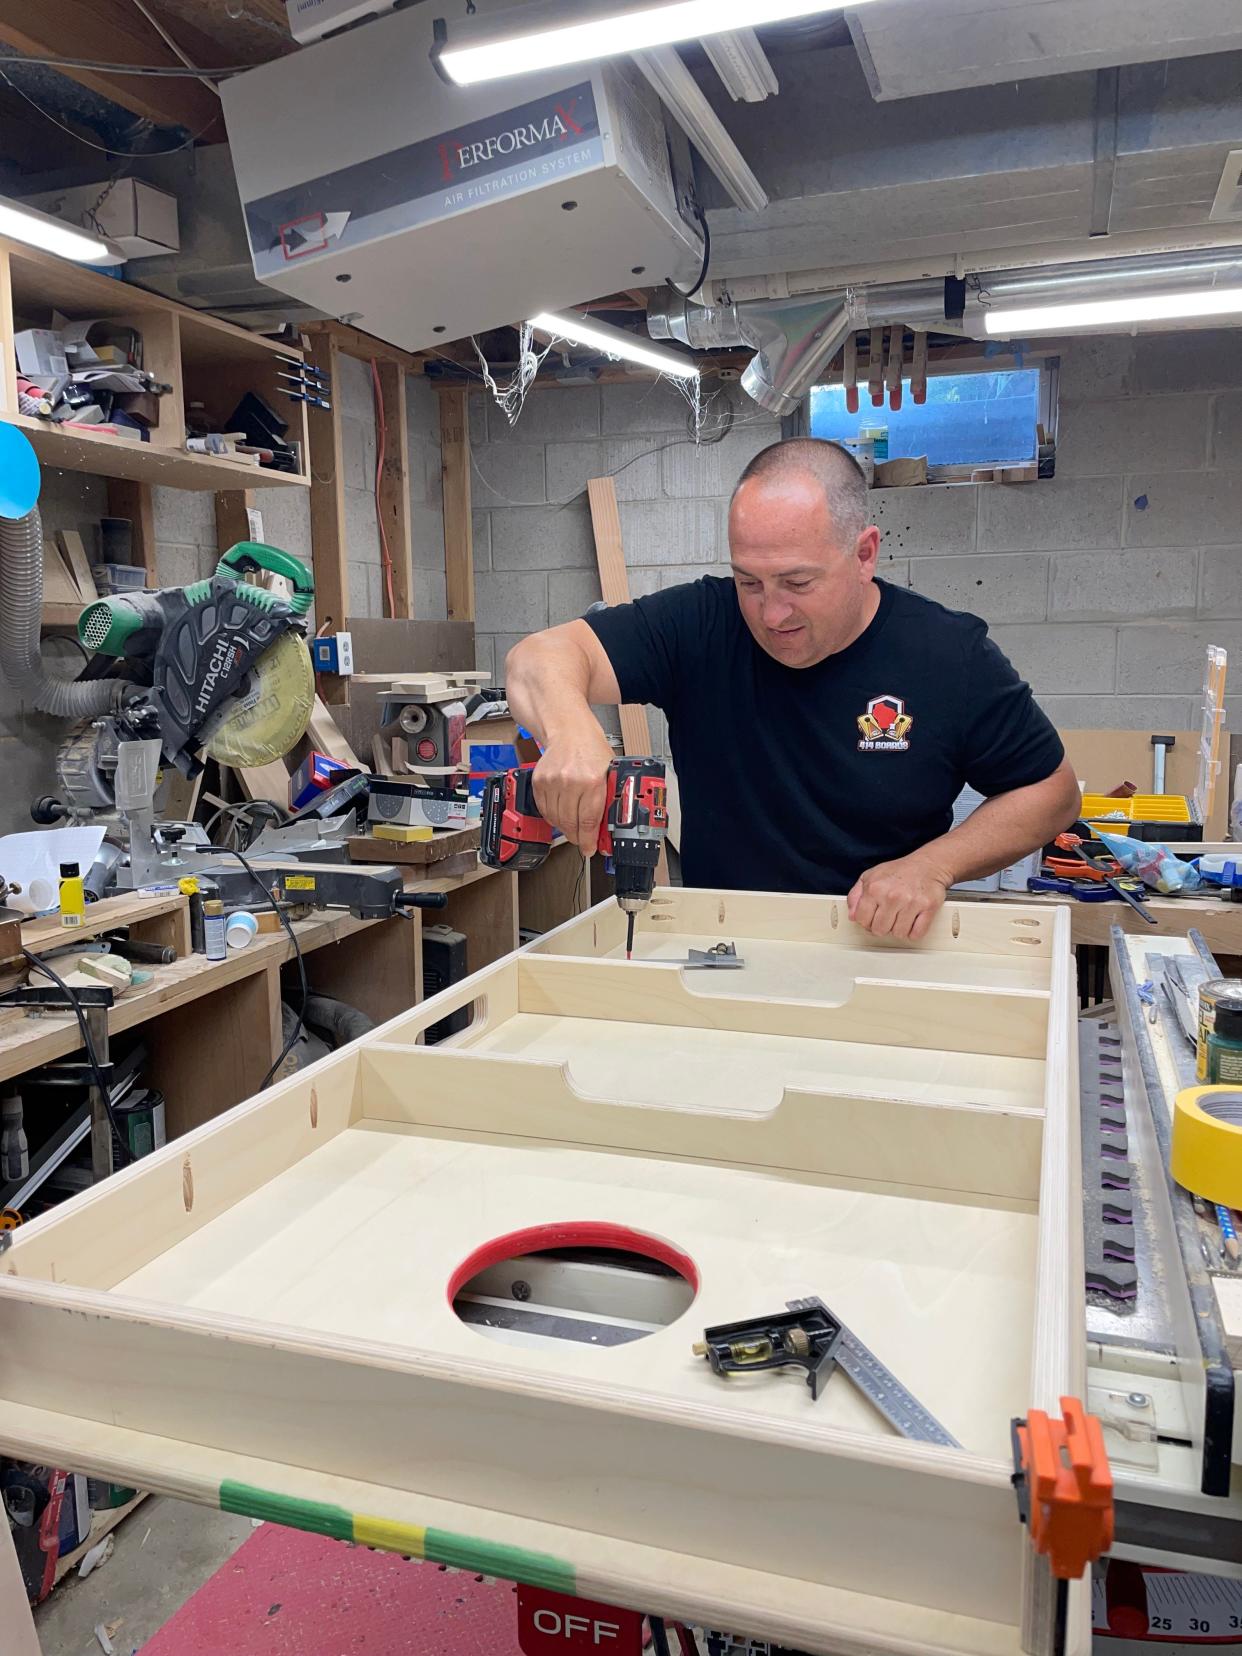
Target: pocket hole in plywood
{"x":1021,"y":921}
{"x":187,"y":1184}
{"x":1033,"y":942}
{"x":834,"y":918}
{"x":956,"y":926}
{"x":720,"y":913}
{"x":314,"y":1108}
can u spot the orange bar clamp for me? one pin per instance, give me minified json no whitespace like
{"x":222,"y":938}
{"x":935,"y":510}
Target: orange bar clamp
{"x":1064,"y":1487}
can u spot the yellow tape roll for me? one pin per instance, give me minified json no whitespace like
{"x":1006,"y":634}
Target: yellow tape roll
{"x":1207,"y":1143}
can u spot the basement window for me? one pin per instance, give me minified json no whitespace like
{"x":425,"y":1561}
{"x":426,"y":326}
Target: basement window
{"x":980,"y":418}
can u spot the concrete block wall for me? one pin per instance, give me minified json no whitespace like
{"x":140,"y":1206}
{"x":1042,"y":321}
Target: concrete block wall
{"x":534,"y":552}
{"x":1104,"y":585}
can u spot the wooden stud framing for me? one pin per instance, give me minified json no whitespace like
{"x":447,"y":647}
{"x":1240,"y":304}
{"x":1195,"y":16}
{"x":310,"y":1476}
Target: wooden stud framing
{"x":329,"y":550}
{"x":355,"y":343}
{"x":394,"y":486}
{"x":458,"y":532}
{"x":127,"y":499}
{"x":280,"y":1278}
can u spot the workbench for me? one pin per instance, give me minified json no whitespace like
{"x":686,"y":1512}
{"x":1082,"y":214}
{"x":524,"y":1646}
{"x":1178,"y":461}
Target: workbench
{"x":1091,"y":923}
{"x":214,"y":1027}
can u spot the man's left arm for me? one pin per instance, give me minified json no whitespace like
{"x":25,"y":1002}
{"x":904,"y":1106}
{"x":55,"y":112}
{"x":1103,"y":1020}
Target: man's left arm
{"x":901,"y":898}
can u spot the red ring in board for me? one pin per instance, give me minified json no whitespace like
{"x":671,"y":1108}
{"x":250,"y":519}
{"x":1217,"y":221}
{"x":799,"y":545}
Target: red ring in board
{"x":572,"y":1233}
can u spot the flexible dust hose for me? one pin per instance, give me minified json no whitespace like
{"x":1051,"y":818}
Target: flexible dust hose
{"x":21,"y":615}
{"x":343,"y":1023}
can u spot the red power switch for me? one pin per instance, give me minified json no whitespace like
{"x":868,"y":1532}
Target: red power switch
{"x":555,"y":1624}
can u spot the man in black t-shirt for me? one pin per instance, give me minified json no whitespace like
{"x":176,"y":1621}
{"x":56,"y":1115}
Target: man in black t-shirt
{"x":821,"y":722}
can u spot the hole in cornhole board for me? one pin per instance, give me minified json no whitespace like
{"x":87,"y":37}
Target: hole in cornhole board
{"x":584,"y":1281}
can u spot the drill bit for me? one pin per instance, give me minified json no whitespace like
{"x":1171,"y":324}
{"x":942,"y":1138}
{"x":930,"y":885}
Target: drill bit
{"x":629,"y":935}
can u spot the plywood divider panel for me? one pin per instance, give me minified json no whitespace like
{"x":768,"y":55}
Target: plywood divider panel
{"x":974,"y":1150}
{"x":970,"y":928}
{"x":110,"y":1231}
{"x":133,"y":500}
{"x":212,"y":1053}
{"x":677,"y":1585}
{"x":874,"y":1513}
{"x":1007,"y":1022}
{"x":495,"y":989}
{"x":597,"y":931}
{"x":379,"y":971}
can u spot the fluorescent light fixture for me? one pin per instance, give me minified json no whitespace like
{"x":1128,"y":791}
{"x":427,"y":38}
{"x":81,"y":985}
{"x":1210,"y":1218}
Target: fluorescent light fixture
{"x":614,"y":342}
{"x":1103,"y":313}
{"x":677,"y":88}
{"x":521,"y":48}
{"x":742,"y":65}
{"x":37,"y":229}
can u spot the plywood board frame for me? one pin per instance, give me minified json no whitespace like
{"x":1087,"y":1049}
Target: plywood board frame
{"x":194,"y":1325}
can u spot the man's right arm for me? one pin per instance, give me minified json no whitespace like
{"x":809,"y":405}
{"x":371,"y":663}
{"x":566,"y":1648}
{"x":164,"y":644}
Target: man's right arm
{"x":552,"y":678}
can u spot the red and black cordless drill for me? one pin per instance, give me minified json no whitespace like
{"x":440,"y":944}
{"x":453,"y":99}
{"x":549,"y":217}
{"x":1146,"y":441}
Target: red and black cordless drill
{"x":514,"y":835}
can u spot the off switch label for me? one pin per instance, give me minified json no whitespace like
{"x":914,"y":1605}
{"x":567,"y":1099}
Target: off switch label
{"x":550,"y":1624}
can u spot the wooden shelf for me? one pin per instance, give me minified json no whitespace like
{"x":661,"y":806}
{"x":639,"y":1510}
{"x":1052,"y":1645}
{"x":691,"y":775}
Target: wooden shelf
{"x":203,"y":359}
{"x":62,"y":617}
{"x":107,"y":456}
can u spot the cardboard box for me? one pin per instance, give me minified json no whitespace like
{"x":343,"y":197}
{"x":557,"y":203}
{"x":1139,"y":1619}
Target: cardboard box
{"x":138,"y":219}
{"x":410,"y":804}
{"x":314,"y":776}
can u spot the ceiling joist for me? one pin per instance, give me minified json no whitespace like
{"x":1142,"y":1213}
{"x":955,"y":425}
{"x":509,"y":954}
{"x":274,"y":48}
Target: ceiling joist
{"x":114,"y":31}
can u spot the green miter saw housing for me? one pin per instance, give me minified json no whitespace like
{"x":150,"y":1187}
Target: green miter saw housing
{"x":230,"y":671}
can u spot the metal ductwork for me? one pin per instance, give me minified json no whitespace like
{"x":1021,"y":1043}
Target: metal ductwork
{"x":794,"y":340}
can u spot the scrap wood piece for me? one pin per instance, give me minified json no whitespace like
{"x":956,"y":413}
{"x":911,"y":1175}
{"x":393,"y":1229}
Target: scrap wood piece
{"x":614,"y":585}
{"x":614,"y":582}
{"x":74,"y":554}
{"x":59,"y":586}
{"x":325,"y":736}
{"x":270,"y":781}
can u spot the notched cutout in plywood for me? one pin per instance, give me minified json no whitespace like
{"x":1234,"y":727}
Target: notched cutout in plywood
{"x":1006,"y":1022}
{"x":927,"y":1143}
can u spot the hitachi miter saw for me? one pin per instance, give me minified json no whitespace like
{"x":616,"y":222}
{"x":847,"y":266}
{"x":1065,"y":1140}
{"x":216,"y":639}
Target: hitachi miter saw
{"x":219,"y":669}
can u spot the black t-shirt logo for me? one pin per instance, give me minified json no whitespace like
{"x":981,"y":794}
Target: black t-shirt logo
{"x":885,"y":726}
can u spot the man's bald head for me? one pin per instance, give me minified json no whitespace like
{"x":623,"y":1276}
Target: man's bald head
{"x":802,"y":552}
{"x":829,"y":466}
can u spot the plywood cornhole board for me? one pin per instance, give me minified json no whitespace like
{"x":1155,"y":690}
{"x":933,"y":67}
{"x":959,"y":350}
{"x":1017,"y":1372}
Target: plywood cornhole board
{"x":260,"y":1314}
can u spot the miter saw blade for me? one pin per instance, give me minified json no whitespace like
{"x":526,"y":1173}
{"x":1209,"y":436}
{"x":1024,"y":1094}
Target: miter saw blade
{"x":265,"y":722}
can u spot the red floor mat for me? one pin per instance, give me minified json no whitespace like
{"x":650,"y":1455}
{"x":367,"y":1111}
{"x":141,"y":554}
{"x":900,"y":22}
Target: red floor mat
{"x":286,"y":1593}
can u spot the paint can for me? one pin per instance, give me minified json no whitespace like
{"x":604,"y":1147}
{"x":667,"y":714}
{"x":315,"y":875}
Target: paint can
{"x":1213,"y":992}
